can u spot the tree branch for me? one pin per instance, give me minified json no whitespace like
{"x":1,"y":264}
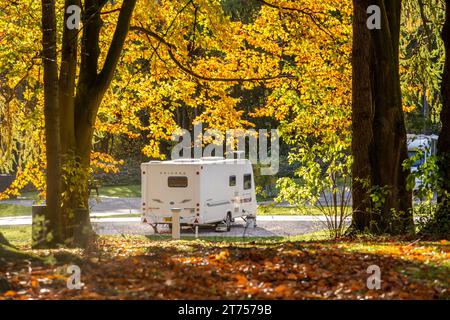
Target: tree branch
{"x":90,"y":50}
{"x":312,"y":15}
{"x":170,"y":47}
{"x":116,"y":46}
{"x":67,"y":76}
{"x":110,"y":11}
{"x":425,"y":22}
{"x":279,"y":7}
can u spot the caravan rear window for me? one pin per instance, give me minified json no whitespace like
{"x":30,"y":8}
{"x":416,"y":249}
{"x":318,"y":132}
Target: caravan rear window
{"x":247,"y":181}
{"x":177,"y":182}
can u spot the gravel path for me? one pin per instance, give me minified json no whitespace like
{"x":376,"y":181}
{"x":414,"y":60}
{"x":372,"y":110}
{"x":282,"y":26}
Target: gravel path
{"x":263,"y":229}
{"x":267,"y":226}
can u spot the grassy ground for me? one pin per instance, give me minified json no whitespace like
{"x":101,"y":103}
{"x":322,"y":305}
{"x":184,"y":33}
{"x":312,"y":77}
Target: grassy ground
{"x":138,"y":267}
{"x":18,"y":236}
{"x":12,"y":210}
{"x":287,"y":211}
{"x":131,"y":191}
{"x":127,"y":191}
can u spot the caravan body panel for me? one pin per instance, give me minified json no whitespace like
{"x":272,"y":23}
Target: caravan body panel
{"x":205,"y":190}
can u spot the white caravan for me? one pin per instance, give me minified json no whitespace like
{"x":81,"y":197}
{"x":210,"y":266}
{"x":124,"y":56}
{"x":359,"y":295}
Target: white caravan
{"x":421,"y":143}
{"x":209,"y":191}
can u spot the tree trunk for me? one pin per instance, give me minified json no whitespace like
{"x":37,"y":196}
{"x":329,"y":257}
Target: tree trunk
{"x":67,"y":78}
{"x":70,"y":110}
{"x":79,"y":228}
{"x":390,"y":146}
{"x":377,"y":108}
{"x":10,"y":254}
{"x":51,"y":113}
{"x":441,"y":226}
{"x":3,"y":240}
{"x":362,"y":114}
{"x":79,"y":121}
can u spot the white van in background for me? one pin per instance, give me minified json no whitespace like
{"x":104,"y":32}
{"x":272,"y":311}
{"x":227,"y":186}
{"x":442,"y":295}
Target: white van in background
{"x":427,"y":144}
{"x":209,"y":191}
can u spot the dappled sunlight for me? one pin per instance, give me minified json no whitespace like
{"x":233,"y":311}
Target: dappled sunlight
{"x":136,"y":268}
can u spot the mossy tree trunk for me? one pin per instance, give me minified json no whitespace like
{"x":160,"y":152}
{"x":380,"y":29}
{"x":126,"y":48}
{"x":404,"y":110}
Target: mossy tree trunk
{"x":3,"y":240}
{"x":379,"y":133}
{"x":76,"y":102}
{"x":441,"y":226}
{"x":51,"y":113}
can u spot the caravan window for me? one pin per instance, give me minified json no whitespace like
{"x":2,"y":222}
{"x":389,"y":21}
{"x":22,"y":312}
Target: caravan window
{"x":232,"y":181}
{"x":177,"y":182}
{"x":247,"y":181}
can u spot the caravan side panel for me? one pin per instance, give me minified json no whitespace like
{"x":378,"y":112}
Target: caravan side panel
{"x":222,"y":191}
{"x":215,"y":193}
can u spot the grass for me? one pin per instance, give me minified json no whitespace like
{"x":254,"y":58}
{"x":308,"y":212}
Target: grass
{"x":18,"y":236}
{"x":130,"y":191}
{"x":271,"y":210}
{"x":124,"y":191}
{"x":13,"y":210}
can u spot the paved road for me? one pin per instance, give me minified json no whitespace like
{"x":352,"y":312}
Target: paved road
{"x":101,"y":206}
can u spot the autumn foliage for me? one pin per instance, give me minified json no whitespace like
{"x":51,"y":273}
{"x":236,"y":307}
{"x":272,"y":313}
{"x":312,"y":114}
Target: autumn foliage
{"x":136,"y":268}
{"x":193,"y":59}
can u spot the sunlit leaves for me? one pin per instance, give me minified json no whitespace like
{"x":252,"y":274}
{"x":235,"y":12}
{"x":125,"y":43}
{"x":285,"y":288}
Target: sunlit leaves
{"x":151,"y":93}
{"x":422,"y":54}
